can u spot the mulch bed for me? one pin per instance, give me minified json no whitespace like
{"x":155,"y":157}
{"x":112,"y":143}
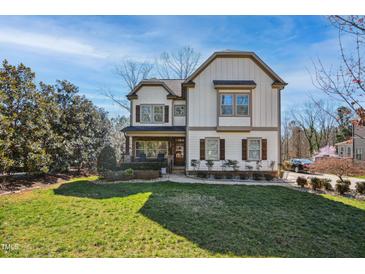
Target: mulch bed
{"x":18,"y":183}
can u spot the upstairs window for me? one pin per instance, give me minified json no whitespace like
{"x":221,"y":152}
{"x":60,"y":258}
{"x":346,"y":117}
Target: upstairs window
{"x":152,"y":114}
{"x":227,"y":105}
{"x":242,"y":105}
{"x":234,"y":104}
{"x":179,"y":110}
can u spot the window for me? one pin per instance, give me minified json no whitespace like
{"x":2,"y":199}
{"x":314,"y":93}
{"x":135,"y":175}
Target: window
{"x":341,"y":151}
{"x":152,"y":114}
{"x":151,"y":149}
{"x":242,"y":105}
{"x":348,"y":151}
{"x":254,"y":149}
{"x":234,"y":104}
{"x":227,"y":104}
{"x":158,"y":113}
{"x":212,"y":148}
{"x":179,"y":110}
{"x":358,"y":154}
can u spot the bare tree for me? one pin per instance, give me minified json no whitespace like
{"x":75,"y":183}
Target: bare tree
{"x":316,"y":123}
{"x":179,"y":64}
{"x":346,"y":83}
{"x":131,"y":73}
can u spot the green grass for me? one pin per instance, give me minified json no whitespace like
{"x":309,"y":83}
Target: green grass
{"x":360,"y":177}
{"x":83,"y":219}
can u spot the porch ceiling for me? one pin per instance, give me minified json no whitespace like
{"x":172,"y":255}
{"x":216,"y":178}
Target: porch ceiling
{"x":155,"y":131}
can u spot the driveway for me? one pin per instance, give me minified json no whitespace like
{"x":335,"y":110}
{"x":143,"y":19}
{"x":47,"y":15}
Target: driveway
{"x":292,"y":177}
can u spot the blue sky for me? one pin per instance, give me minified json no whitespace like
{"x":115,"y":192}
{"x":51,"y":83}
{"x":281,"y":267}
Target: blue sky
{"x":86,"y":49}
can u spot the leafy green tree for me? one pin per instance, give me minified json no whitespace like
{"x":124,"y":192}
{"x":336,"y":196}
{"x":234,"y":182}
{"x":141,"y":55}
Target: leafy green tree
{"x":23,"y":124}
{"x":47,"y":128}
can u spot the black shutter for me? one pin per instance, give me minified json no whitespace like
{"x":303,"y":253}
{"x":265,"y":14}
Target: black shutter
{"x":222,"y":149}
{"x":244,"y":149}
{"x":166,"y":114}
{"x":138,"y":114}
{"x":264,"y":149}
{"x":202,"y":149}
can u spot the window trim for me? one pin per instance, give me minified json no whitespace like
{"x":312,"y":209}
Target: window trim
{"x":220,"y":104}
{"x":206,"y":147}
{"x":348,"y":151}
{"x":234,"y":104}
{"x":248,"y":105}
{"x":153,"y":114}
{"x":357,"y":154}
{"x":248,"y":148}
{"x":184,"y":105}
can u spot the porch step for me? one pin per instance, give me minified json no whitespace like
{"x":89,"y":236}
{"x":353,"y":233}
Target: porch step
{"x":178,"y":170}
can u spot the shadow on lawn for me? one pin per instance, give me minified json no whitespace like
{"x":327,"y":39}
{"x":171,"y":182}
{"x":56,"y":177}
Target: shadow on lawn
{"x":245,"y":220}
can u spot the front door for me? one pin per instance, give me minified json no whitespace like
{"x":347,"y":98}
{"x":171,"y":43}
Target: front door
{"x":179,"y":154}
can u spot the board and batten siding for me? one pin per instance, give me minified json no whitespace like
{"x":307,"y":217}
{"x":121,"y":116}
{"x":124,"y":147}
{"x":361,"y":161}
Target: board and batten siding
{"x":155,"y":95}
{"x":233,"y":147}
{"x":180,"y":120}
{"x":203,"y":97}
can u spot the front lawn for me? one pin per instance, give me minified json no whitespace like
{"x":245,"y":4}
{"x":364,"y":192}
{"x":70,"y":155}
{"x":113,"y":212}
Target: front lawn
{"x":83,"y":219}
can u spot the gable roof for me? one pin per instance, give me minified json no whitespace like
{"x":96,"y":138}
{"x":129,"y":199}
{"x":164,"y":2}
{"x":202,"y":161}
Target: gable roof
{"x":172,"y":86}
{"x":347,"y":142}
{"x":239,"y":54}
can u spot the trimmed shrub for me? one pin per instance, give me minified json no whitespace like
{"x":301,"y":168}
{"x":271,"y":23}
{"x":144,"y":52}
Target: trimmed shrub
{"x":360,"y":187}
{"x":128,"y":172}
{"x":218,"y":176}
{"x":286,"y":165}
{"x":244,"y":176}
{"x":106,"y":159}
{"x":202,"y":175}
{"x":257,"y":176}
{"x":315,"y":183}
{"x":326,"y":184}
{"x":342,"y":186}
{"x":268,"y":176}
{"x":228,"y":176}
{"x":301,"y":181}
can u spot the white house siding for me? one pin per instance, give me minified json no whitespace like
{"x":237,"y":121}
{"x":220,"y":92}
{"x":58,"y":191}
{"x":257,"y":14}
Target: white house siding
{"x":234,"y":121}
{"x":342,"y":150}
{"x":203,"y":97}
{"x":152,"y":95}
{"x":179,"y":121}
{"x":233,"y":147}
{"x":359,"y":141}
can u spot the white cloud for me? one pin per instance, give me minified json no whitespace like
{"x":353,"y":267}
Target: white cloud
{"x":48,"y":42}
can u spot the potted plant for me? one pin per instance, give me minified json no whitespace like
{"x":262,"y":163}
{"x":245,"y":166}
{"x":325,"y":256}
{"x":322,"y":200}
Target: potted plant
{"x":209,"y":164}
{"x":195,"y":164}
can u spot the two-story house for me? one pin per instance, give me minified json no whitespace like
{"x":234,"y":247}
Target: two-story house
{"x":228,"y":109}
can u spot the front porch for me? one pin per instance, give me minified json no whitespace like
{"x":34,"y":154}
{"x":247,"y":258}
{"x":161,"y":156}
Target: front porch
{"x":150,"y":149}
{"x":157,"y":144}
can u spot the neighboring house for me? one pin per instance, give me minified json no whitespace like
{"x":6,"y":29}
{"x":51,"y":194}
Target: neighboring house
{"x":359,"y":142}
{"x":228,"y":109}
{"x":354,"y":147}
{"x":325,"y":152}
{"x":345,"y":149}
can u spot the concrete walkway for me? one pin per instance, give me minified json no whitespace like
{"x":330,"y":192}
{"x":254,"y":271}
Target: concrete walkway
{"x":291,"y":177}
